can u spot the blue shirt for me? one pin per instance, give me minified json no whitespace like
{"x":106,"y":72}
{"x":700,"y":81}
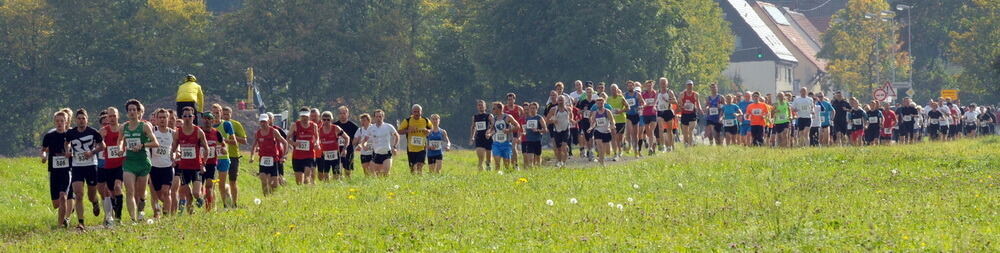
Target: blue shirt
{"x":713,"y":102}
{"x":436,"y":136}
{"x":632,"y":108}
{"x":729,"y":111}
{"x":743,"y":107}
{"x":825,"y":112}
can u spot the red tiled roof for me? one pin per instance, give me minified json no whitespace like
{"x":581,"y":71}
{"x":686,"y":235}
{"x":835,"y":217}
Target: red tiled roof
{"x":799,"y":40}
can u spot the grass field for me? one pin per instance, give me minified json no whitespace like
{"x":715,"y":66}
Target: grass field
{"x":926,"y":197}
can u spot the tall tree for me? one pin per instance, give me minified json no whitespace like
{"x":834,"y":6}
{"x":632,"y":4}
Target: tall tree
{"x":976,"y":47}
{"x":862,"y":46}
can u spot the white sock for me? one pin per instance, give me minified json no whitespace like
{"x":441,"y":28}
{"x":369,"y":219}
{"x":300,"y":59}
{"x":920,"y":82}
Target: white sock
{"x":108,"y":209}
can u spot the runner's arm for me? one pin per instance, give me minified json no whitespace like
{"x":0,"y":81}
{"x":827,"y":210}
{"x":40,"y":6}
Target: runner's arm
{"x":153,"y":143}
{"x":447,"y":141}
{"x":173,"y":147}
{"x":204,"y":143}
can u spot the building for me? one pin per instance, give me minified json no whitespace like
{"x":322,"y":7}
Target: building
{"x":818,"y":12}
{"x":801,"y":38}
{"x":761,"y":61}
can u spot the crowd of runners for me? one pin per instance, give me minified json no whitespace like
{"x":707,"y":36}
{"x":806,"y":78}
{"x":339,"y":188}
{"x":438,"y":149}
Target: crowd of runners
{"x":184,"y":155}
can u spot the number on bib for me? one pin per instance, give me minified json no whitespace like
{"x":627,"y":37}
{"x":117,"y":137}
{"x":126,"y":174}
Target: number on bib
{"x":435,"y":145}
{"x":649,"y":101}
{"x":757,"y":112}
{"x":602,"y":122}
{"x":161,"y":151}
{"x":266,"y":161}
{"x":662,"y":107}
{"x":480,"y":125}
{"x":80,"y":158}
{"x":630,"y":102}
{"x":302,"y":145}
{"x":114,"y":152}
{"x":331,"y":155}
{"x":60,"y":162}
{"x":688,"y":106}
{"x":728,"y":122}
{"x":872,"y":119}
{"x":781,"y":117}
{"x":858,"y":121}
{"x":887,"y":131}
{"x":907,"y":118}
{"x":132,"y":143}
{"x":713,"y":111}
{"x":532,"y":124}
{"x":188,"y":153}
{"x":934,"y":121}
{"x":341,"y":142}
{"x":500,"y":137}
{"x":417,"y":141}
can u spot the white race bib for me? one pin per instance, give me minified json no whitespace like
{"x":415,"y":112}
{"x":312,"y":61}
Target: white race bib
{"x":757,"y":112}
{"x":781,"y":117}
{"x":713,"y":111}
{"x":302,"y":145}
{"x":602,"y":122}
{"x":60,"y":162}
{"x":480,"y":125}
{"x":114,"y":152}
{"x":728,"y":122}
{"x":436,"y":145}
{"x":79,"y":159}
{"x":872,"y":120}
{"x":532,"y":124}
{"x":662,"y":107}
{"x":161,"y":151}
{"x":188,"y":153}
{"x":341,"y":142}
{"x":934,"y":121}
{"x":688,"y":106}
{"x":887,"y":131}
{"x":132,"y":143}
{"x":331,"y":155}
{"x":649,"y":101}
{"x":630,"y":101}
{"x":858,"y":121}
{"x":418,"y":141}
{"x":266,"y":161}
{"x":907,"y":118}
{"x":500,"y":137}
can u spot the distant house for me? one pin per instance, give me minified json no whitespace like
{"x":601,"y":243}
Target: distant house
{"x":761,"y":61}
{"x":818,"y":12}
{"x":795,"y":34}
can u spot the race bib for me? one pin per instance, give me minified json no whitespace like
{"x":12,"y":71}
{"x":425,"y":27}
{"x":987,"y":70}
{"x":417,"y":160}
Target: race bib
{"x":907,"y":118}
{"x":341,"y":142}
{"x":662,"y":107}
{"x":887,"y":131}
{"x":757,"y":112}
{"x":728,"y":122}
{"x":781,"y":117}
{"x":532,"y":124}
{"x":858,"y":121}
{"x":417,"y":141}
{"x":713,"y":111}
{"x":302,"y":145}
{"x":934,"y":121}
{"x":630,"y":102}
{"x":436,"y":145}
{"x":80,"y":158}
{"x":688,"y":106}
{"x":649,"y":101}
{"x":60,"y":162}
{"x":266,"y":161}
{"x":132,"y":143}
{"x":480,"y":125}
{"x":331,"y":155}
{"x":872,"y":120}
{"x":188,"y":153}
{"x":500,"y":137}
{"x":161,"y":151}
{"x":114,"y":152}
{"x":602,"y":122}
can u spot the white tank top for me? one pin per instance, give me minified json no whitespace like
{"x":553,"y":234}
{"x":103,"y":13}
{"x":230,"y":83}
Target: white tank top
{"x":562,"y":120}
{"x":160,"y":157}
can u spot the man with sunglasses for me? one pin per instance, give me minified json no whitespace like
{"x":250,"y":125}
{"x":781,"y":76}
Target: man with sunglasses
{"x":416,"y":128}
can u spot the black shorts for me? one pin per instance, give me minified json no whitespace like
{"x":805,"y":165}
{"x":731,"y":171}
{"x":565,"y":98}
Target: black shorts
{"x":603,"y":137}
{"x":416,"y":157}
{"x":484,"y":143}
{"x":234,"y":168}
{"x":632,"y":118}
{"x":585,"y":124}
{"x":366,"y":158}
{"x":561,"y":137}
{"x":161,"y":176}
{"x":327,"y":166}
{"x":300,"y":165}
{"x":574,"y":135}
{"x":109,"y":176}
{"x":779,"y":128}
{"x":347,"y":162}
{"x":969,"y":129}
{"x":840,"y":127}
{"x":872,"y":132}
{"x":59,"y":181}
{"x":269,"y":170}
{"x":280,"y":168}
{"x":532,"y":147}
{"x":620,"y":128}
{"x":648,"y":119}
{"x":802,"y":123}
{"x":435,"y":158}
{"x":686,"y":119}
{"x":209,"y":172}
{"x":731,"y":130}
{"x":188,"y":176}
{"x":381,"y":158}
{"x":86,"y":174}
{"x":905,"y":129}
{"x":953,"y":130}
{"x":666,"y":115}
{"x":714,"y":124}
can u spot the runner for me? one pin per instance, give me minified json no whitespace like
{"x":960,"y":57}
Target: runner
{"x":647,"y":119}
{"x":970,"y":118}
{"x":934,"y":122}
{"x":758,"y":113}
{"x":283,"y":148}
{"x":383,"y":137}
{"x":619,"y":107}
{"x":826,"y":115}
{"x":874,"y":115}
{"x":234,"y":155}
{"x":188,"y":141}
{"x":359,"y":141}
{"x":317,"y":152}
{"x":781,"y":121}
{"x":714,"y":126}
{"x":690,"y":108}
{"x":162,"y":161}
{"x":841,"y":109}
{"x":175,"y":185}
{"x":216,"y":145}
{"x":304,"y":137}
{"x":84,"y":142}
{"x":583,"y":137}
{"x":816,"y":123}
{"x":138,"y":137}
{"x":562,"y":118}
{"x":483,"y":145}
{"x":730,"y":114}
{"x":889,"y":123}
{"x":190,"y":94}
{"x":857,"y":118}
{"x":329,"y":141}
{"x":55,"y":154}
{"x":802,"y":107}
{"x":517,"y":112}
{"x":109,"y":177}
{"x":665,"y":102}
{"x":986,"y":120}
{"x":346,"y":144}
{"x":415,"y":128}
{"x":228,"y":133}
{"x":907,"y":126}
{"x":745,"y":123}
{"x":267,"y":142}
{"x":604,"y":125}
{"x":438,"y":142}
{"x":634,"y":101}
{"x":534,"y":127}
{"x":500,"y":133}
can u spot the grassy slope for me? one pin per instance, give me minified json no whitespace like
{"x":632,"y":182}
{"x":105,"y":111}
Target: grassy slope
{"x":944,"y":196}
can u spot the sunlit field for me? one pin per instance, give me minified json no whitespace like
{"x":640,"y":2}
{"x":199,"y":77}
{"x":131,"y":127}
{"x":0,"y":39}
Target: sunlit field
{"x":931,"y":196}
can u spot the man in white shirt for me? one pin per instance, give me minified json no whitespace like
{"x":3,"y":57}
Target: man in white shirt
{"x":383,"y":136}
{"x":803,"y":107}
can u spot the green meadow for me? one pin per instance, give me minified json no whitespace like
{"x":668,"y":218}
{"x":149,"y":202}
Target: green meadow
{"x":923,"y":197}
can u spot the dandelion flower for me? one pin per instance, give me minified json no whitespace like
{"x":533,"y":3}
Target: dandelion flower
{"x":522,"y":180}
{"x":777,"y":203}
{"x":256,"y":201}
{"x":894,"y":171}
{"x":215,"y":181}
{"x":621,"y":207}
{"x":680,"y":185}
{"x":611,"y":204}
{"x":277,"y":233}
{"x":351,"y":197}
{"x":500,"y":172}
{"x":149,"y":221}
{"x":352,"y":190}
{"x":550,"y":202}
{"x":340,"y":233}
{"x":630,"y":199}
{"x":572,"y":200}
{"x":395,"y":186}
{"x":636,"y":186}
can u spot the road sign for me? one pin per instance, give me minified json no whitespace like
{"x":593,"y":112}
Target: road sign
{"x":910,"y":92}
{"x":891,"y":91}
{"x":902,"y":85}
{"x":880,"y":94}
{"x":952,"y":94}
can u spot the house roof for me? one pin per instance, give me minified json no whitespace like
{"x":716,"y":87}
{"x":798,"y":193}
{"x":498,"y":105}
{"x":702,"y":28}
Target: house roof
{"x":798,"y":38}
{"x":748,"y":15}
{"x":807,"y":26}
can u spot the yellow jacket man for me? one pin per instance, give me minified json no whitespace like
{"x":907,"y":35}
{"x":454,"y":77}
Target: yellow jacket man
{"x":190,"y":94}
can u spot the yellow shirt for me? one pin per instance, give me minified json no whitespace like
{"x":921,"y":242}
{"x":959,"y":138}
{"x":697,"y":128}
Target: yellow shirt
{"x":191,"y":92}
{"x":415,"y":141}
